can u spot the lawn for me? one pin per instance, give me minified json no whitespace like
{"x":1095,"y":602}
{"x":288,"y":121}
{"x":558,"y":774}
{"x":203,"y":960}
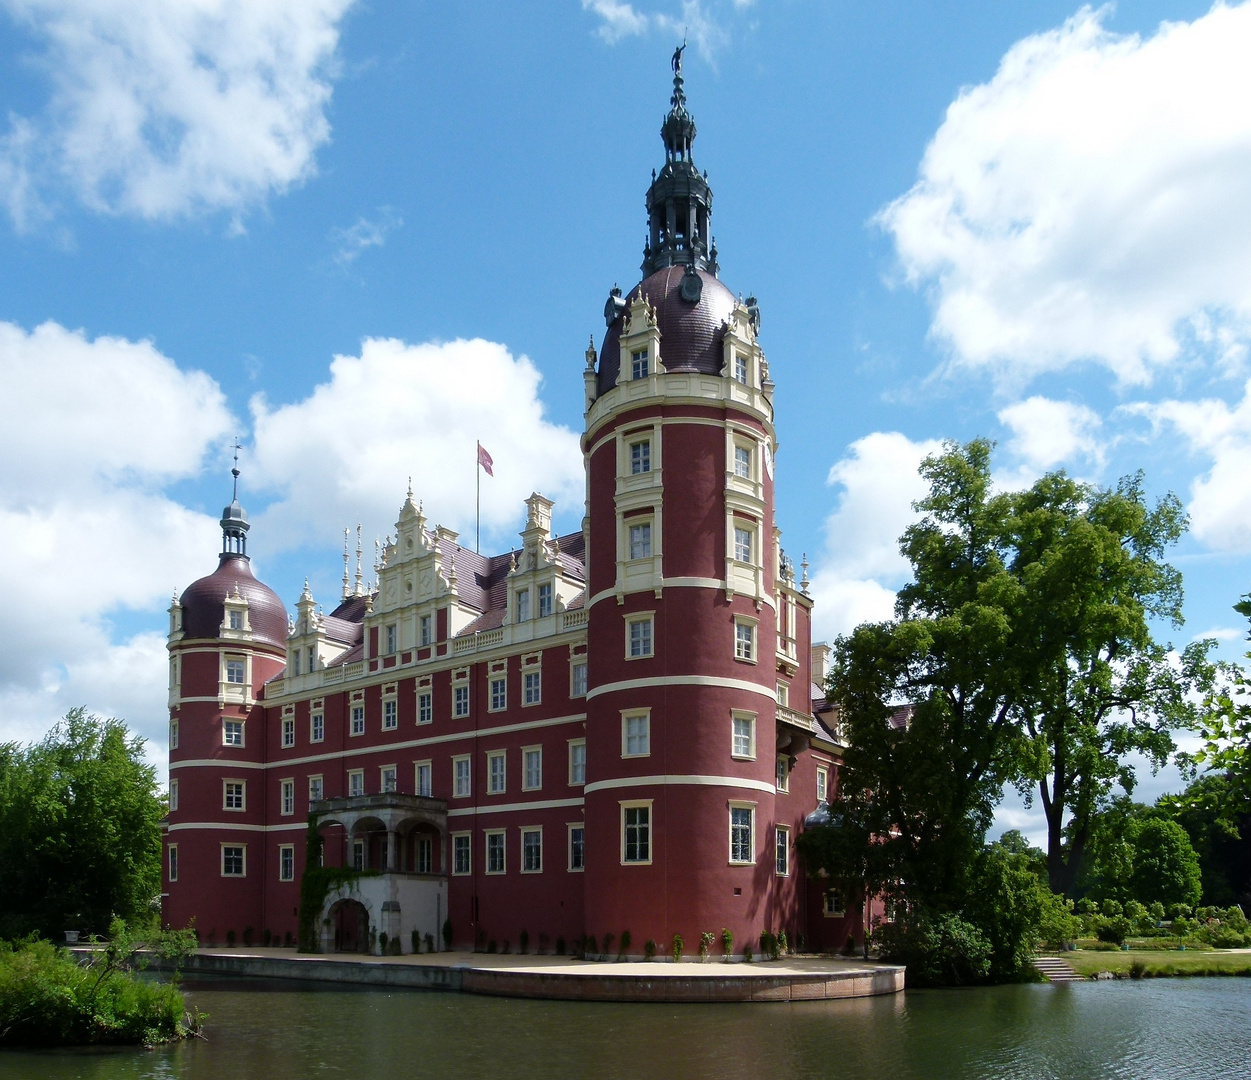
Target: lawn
{"x":1158,"y":964}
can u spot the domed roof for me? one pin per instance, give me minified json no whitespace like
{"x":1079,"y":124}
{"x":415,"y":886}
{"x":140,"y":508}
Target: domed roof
{"x":203,"y":610}
{"x":690,"y":334}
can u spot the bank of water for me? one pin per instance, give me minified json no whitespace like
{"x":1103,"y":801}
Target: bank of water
{"x":1175,"y":1029}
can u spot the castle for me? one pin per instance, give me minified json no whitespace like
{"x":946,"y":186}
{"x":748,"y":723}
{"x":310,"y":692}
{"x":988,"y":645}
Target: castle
{"x":617,"y":730}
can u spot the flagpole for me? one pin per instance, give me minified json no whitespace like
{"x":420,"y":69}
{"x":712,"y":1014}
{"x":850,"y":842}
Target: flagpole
{"x":477,"y":529}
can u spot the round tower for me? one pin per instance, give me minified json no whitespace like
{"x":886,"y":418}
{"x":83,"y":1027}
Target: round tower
{"x":227,"y":638}
{"x":682,"y":564}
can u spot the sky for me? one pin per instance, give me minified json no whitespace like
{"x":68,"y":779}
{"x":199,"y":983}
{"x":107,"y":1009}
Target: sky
{"x":360,"y":236}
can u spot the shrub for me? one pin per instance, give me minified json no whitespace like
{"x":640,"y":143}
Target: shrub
{"x":430,"y":943}
{"x":944,"y":951}
{"x":447,"y":932}
{"x":1113,"y":930}
{"x":678,"y":944}
{"x":1224,"y":937}
{"x":748,"y":955}
{"x":783,"y":944}
{"x":1234,"y":919}
{"x":1137,"y":969}
{"x":523,"y":942}
{"x":623,"y":948}
{"x":800,"y":943}
{"x":727,"y":942}
{"x":649,"y":949}
{"x":1057,"y":924}
{"x":768,"y":946}
{"x":705,"y":944}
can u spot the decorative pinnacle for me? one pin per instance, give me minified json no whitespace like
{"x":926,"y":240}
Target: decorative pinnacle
{"x":360,"y":578}
{"x":803,"y":583}
{"x":347,"y":587}
{"x":235,"y":471}
{"x":678,"y":101}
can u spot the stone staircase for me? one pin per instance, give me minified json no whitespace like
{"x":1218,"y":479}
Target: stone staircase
{"x":1056,"y":970}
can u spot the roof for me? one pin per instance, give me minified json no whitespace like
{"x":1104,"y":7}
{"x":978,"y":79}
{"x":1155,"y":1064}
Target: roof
{"x":204,"y":609}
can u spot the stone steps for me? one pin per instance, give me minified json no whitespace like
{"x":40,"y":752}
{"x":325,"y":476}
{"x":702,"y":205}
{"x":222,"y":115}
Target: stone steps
{"x":1057,"y":970}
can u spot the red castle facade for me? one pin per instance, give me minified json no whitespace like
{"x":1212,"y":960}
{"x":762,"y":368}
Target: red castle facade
{"x":621,"y":729}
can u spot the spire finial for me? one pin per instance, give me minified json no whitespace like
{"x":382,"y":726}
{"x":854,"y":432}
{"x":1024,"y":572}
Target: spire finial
{"x":235,"y":471}
{"x":360,"y":578}
{"x":804,"y":583}
{"x":347,"y":587}
{"x":234,"y":518}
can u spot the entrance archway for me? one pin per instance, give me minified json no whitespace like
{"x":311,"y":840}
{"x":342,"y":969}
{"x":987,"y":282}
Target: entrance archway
{"x":351,"y":926}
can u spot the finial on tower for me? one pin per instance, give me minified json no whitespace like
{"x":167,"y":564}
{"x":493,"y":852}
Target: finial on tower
{"x":234,"y":518}
{"x":347,"y":586}
{"x":360,"y":578}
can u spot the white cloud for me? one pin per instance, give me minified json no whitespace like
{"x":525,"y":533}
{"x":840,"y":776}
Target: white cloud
{"x":1087,"y":202}
{"x":344,"y":454}
{"x":861,"y":565}
{"x":357,"y":238}
{"x":617,"y":20}
{"x":160,"y":109}
{"x":1046,"y":433}
{"x":695,"y":21}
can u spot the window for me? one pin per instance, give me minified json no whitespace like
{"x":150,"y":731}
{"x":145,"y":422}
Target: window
{"x":236,"y":620}
{"x":532,"y":688}
{"x":823,"y":785}
{"x":358,"y":854}
{"x":641,"y":541}
{"x":744,"y":640}
{"x":358,"y":719}
{"x":577,"y":847}
{"x":422,"y":777}
{"x":833,"y":905}
{"x":426,"y":633}
{"x":782,"y":851}
{"x":287,"y":788}
{"x":288,"y":731}
{"x":532,"y":768}
{"x":295,"y":661}
{"x":232,"y":732}
{"x":741,"y":849}
{"x":742,"y":462}
{"x":523,"y":605}
{"x":316,"y":727}
{"x":577,"y":762}
{"x":742,"y":544}
{"x":499,"y":694}
{"x":173,"y":733}
{"x":286,"y":862}
{"x":495,"y":852}
{"x":312,"y":659}
{"x":783,"y":773}
{"x":460,"y":700}
{"x":636,"y":734}
{"x":461,"y":783}
{"x":578,"y":679}
{"x":545,"y":601}
{"x":784,"y":695}
{"x":497,"y":769}
{"x":740,"y":368}
{"x":424,"y":852}
{"x":744,"y":730}
{"x":531,"y":851}
{"x":390,"y":715}
{"x":173,"y":862}
{"x":639,"y":367}
{"x":636,"y":840}
{"x":391,"y":641}
{"x":173,"y":794}
{"x":315,"y":789}
{"x":461,"y":852}
{"x":235,"y":670}
{"x":639,"y":637}
{"x":233,"y":795}
{"x":356,"y":783}
{"x":425,"y":708}
{"x":386,"y":776}
{"x":234,"y":860}
{"x":640,"y":457}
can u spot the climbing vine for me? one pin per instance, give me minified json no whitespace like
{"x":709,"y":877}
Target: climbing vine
{"x":316,"y":884}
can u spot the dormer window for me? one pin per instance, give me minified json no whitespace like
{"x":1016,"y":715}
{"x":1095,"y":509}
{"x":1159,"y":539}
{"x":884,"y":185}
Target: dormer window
{"x":523,"y":605}
{"x":295,"y":662}
{"x":236,"y":620}
{"x":741,"y":368}
{"x":426,"y":632}
{"x":640,"y":368}
{"x":392,"y":635}
{"x":545,"y":601}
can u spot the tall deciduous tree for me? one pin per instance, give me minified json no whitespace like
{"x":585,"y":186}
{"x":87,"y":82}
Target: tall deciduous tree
{"x":80,"y":840}
{"x":1226,"y":730}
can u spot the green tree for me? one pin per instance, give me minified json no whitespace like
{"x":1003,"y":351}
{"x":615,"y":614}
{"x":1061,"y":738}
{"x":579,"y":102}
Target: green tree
{"x":1220,"y":835}
{"x":80,"y":839}
{"x":1165,"y":866}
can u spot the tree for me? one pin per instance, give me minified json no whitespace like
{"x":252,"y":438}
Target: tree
{"x":1221,"y":839}
{"x":80,"y":839}
{"x":1165,"y":866}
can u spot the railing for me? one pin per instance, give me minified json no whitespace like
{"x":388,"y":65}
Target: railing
{"x":571,"y":620}
{"x":790,"y":716}
{"x":350,"y":671}
{"x":331,"y":675}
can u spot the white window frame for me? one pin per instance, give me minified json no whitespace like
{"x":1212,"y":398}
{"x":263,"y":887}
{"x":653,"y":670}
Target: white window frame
{"x":546,"y":600}
{"x":171,"y":872}
{"x":742,"y":368}
{"x":823,"y":784}
{"x":574,"y":745}
{"x":640,"y":363}
{"x":460,"y":700}
{"x":746,"y":655}
{"x":497,"y":758}
{"x":317,"y":727}
{"x":523,"y":605}
{"x":286,"y":869}
{"x":749,"y":719}
{"x":645,"y":715}
{"x":460,"y":791}
{"x":173,"y":794}
{"x":531,"y":679}
{"x":637,"y":804}
{"x":356,"y":720}
{"x":832,"y":904}
{"x":531,"y":830}
{"x":570,"y":829}
{"x":639,"y":455}
{"x":423,"y":843}
{"x":286,"y":796}
{"x":234,"y":619}
{"x":462,"y":844}
{"x":235,"y":663}
{"x":782,"y":773}
{"x":173,"y":734}
{"x":640,"y":548}
{"x":647,"y":636}
{"x":744,"y":465}
{"x":243,"y":859}
{"x":316,"y":783}
{"x":782,"y":850}
{"x":750,"y":807}
{"x":228,"y":794}
{"x":425,"y":630}
{"x":502,"y":836}
{"x":288,"y":732}
{"x":428,"y":765}
{"x":391,"y":639}
{"x":528,"y":753}
{"x":356,"y":783}
{"x":499,"y":693}
{"x":236,"y":727}
{"x":390,"y":714}
{"x":425,"y":706}
{"x":744,"y":544}
{"x":385,"y":773}
{"x":576,"y":691}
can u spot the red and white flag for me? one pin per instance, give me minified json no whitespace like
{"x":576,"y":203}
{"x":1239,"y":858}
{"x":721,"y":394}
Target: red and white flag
{"x":484,"y":459}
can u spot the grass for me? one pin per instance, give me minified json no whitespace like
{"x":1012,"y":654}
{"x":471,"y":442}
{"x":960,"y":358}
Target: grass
{"x":1156,"y":964}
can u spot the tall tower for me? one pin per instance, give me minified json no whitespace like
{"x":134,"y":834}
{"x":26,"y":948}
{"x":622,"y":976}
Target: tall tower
{"x":682,"y":728}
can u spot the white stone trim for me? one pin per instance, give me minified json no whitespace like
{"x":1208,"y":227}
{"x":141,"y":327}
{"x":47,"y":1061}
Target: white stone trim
{"x":509,"y":808}
{"x":683,"y":680}
{"x":234,"y":826}
{"x":678,"y":780}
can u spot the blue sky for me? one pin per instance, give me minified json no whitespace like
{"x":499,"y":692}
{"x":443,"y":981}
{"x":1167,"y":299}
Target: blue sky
{"x":361,"y":236}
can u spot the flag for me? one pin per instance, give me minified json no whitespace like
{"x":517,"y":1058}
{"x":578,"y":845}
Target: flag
{"x":484,"y":459}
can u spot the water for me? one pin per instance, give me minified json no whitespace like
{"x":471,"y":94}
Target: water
{"x":1176,"y":1029}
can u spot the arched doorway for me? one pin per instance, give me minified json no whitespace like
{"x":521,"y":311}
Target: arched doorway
{"x":351,"y":926}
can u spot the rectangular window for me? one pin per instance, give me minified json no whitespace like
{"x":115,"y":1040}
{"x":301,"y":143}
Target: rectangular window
{"x":742,"y":462}
{"x":287,"y":787}
{"x":577,"y":847}
{"x":422,"y":779}
{"x":497,"y":772}
{"x":173,"y":734}
{"x":499,"y":694}
{"x":578,"y":680}
{"x":740,"y":368}
{"x":545,"y":601}
{"x":741,"y":849}
{"x":232,"y":732}
{"x":426,"y":629}
{"x":233,"y":795}
{"x":495,"y":852}
{"x":286,"y":862}
{"x":312,"y":659}
{"x":783,"y":773}
{"x":425,"y":855}
{"x":386,"y":777}
{"x":640,"y":457}
{"x":316,"y":727}
{"x":636,"y":839}
{"x":640,"y":637}
{"x":641,"y":541}
{"x":234,"y":860}
{"x":744,"y":640}
{"x":460,"y":700}
{"x":425,"y":708}
{"x":235,"y":670}
{"x":523,"y":605}
{"x":636,"y":735}
{"x":358,"y":854}
{"x":744,"y":737}
{"x":236,"y":620}
{"x":315,"y":789}
{"x":295,"y":661}
{"x":577,"y":762}
{"x":823,"y":785}
{"x":288,"y":731}
{"x":531,"y":851}
{"x":742,"y":545}
{"x":782,"y":852}
{"x":358,"y":719}
{"x":532,"y":762}
{"x":784,"y":695}
{"x":461,"y":778}
{"x":392,"y":639}
{"x":533,"y":688}
{"x":390,"y":715}
{"x":173,"y":862}
{"x":833,"y":906}
{"x":173,"y":794}
{"x":461,"y":852}
{"x":356,"y":783}
{"x":639,"y":367}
